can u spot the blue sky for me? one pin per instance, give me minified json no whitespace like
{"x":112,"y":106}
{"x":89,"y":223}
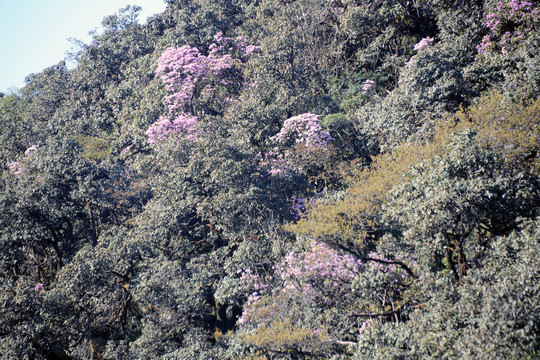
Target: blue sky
{"x":34,"y":33}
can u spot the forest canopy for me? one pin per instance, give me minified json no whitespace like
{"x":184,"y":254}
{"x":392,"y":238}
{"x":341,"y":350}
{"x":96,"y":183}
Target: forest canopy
{"x":267,"y":179}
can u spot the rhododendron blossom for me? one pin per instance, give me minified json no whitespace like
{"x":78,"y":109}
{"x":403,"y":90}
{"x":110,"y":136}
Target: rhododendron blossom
{"x":275,"y":163}
{"x":196,"y":82}
{"x":32,"y":149}
{"x":302,"y":134}
{"x":39,"y":287}
{"x":321,"y":275}
{"x":16,"y":168}
{"x":368,"y":87}
{"x":184,"y":68}
{"x":163,"y":128}
{"x":127,"y":149}
{"x":318,"y":278}
{"x":303,"y":129}
{"x":509,"y":24}
{"x":427,"y":41}
{"x":180,"y":69}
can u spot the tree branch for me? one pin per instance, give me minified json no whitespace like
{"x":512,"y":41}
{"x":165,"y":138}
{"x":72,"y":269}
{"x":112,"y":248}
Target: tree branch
{"x":384,"y":313}
{"x":395,"y":262}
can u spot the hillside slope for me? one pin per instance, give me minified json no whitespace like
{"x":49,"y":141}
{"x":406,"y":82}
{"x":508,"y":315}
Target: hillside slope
{"x":268,"y":179}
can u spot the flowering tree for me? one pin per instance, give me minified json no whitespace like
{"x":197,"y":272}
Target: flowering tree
{"x":16,"y":167}
{"x":301,"y":144}
{"x":180,"y":69}
{"x":163,"y":128}
{"x":510,"y":23}
{"x":303,"y":129}
{"x":425,"y":42}
{"x":198,"y":84}
{"x":314,"y":297}
{"x":31,"y":150}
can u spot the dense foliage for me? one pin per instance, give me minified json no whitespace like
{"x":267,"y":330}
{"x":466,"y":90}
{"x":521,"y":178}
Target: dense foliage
{"x":266,"y":179}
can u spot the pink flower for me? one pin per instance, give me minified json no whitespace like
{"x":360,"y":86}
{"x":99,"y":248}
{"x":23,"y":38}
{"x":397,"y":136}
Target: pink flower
{"x":423,"y":43}
{"x":304,"y":129}
{"x":364,"y":326}
{"x":39,"y":287}
{"x":368,"y":88}
{"x":163,"y":128}
{"x":16,"y":168}
{"x":126,"y":150}
{"x":192,"y":80}
{"x":32,"y":149}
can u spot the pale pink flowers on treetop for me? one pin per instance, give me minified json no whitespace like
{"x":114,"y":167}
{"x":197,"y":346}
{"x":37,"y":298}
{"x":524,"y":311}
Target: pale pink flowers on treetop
{"x":32,"y":149}
{"x":368,"y":87}
{"x":427,"y":41}
{"x":16,"y":168}
{"x":509,"y":24}
{"x":192,"y":78}
{"x":163,"y":128}
{"x":304,"y":130}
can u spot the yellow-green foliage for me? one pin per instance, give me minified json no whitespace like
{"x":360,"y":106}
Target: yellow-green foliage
{"x":510,"y":130}
{"x":282,"y":336}
{"x":257,"y":356}
{"x":356,"y":216}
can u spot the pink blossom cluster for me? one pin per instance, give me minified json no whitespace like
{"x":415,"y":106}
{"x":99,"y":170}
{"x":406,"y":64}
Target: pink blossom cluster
{"x":180,"y":69}
{"x":39,"y":287}
{"x":16,"y":167}
{"x":191,"y":77}
{"x":368,"y":87}
{"x":127,"y":149}
{"x":250,"y":308}
{"x":163,"y":128}
{"x":303,"y":129}
{"x":31,"y":150}
{"x":235,"y":46}
{"x":366,"y":324}
{"x":251,"y":281}
{"x":184,"y":68}
{"x":508,"y":25}
{"x":319,"y":276}
{"x":319,"y":263}
{"x":303,"y":132}
{"x":485,"y":46}
{"x":275,"y":163}
{"x":427,"y":41}
{"x":254,"y":285}
{"x":337,"y":11}
{"x":513,"y":11}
